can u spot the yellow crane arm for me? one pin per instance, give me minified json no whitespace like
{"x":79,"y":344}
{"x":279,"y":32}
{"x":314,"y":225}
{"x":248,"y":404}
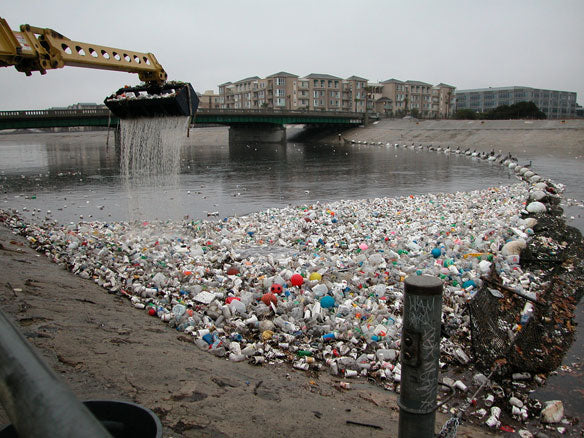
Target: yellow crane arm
{"x":38,"y":49}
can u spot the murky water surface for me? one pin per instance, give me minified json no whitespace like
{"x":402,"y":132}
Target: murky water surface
{"x":75,"y":175}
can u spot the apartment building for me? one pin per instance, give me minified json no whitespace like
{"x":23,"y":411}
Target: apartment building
{"x":209,"y":100}
{"x":324,"y":92}
{"x":420,"y":98}
{"x":396,"y":91}
{"x":285,"y":90}
{"x":354,"y":94}
{"x":375,"y":101}
{"x":443,"y":101}
{"x":555,"y":104}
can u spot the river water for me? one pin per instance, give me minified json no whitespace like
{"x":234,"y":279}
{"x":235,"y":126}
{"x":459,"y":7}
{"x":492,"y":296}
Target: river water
{"x":72,"y":176}
{"x":75,"y":175}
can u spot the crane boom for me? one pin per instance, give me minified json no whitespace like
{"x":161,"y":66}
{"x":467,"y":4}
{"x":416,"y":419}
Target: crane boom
{"x":38,"y":49}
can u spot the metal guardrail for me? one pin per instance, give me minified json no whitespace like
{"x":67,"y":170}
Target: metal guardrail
{"x":279,"y":112}
{"x":51,"y":118}
{"x":36,"y":402}
{"x":57,"y":113}
{"x":100,"y":112}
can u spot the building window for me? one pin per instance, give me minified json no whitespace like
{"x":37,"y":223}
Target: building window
{"x":280,"y":81}
{"x":280,"y":101}
{"x":280,"y":92}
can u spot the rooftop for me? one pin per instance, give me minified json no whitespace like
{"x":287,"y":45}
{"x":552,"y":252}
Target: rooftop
{"x":356,"y":78}
{"x":418,"y":83}
{"x":284,"y":74}
{"x":321,"y":76}
{"x":513,"y":87}
{"x":251,"y":78}
{"x":443,"y":85}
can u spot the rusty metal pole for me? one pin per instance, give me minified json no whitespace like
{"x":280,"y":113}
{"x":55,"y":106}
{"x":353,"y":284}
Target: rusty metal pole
{"x":420,"y":352}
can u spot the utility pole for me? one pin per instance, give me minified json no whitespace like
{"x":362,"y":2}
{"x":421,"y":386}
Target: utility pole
{"x":420,"y":352}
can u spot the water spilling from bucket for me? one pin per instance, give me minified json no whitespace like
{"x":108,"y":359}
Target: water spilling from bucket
{"x":150,"y":159}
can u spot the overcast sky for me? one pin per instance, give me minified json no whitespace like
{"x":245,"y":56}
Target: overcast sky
{"x":467,"y":44}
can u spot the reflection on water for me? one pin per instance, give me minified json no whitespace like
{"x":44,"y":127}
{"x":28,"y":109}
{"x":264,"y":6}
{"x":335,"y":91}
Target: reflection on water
{"x":76,"y":174}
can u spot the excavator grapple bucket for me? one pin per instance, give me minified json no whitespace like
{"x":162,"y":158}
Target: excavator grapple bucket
{"x":152,"y":100}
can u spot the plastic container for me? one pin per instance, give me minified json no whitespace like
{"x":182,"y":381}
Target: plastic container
{"x":121,"y":419}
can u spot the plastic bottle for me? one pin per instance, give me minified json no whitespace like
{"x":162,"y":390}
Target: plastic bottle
{"x":178,"y":310}
{"x":526,"y":313}
{"x":329,"y":336}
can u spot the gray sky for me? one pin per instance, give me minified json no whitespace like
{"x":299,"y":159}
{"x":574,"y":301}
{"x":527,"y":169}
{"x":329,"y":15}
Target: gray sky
{"x":468,"y":44}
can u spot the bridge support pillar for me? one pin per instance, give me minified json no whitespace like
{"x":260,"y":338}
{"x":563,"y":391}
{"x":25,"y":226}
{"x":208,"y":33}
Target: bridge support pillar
{"x":257,"y":134}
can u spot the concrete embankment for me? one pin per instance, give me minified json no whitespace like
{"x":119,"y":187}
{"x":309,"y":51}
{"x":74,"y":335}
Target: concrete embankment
{"x":515,"y":136}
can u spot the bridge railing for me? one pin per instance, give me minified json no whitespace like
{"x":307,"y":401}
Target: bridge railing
{"x":278,"y":111}
{"x":101,"y":112}
{"x":56,"y":113}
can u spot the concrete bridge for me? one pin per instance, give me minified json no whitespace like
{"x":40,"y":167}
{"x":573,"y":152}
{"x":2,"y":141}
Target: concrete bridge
{"x":245,"y":125}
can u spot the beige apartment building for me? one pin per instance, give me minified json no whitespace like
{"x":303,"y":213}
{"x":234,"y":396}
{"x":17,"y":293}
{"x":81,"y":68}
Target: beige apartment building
{"x":324,"y":92}
{"x":355,"y":94}
{"x":209,"y":100}
{"x":443,"y":100}
{"x":284,"y":90}
{"x":419,"y":98}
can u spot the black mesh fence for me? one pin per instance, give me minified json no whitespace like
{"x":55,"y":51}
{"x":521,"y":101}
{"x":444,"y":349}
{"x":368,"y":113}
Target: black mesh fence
{"x":537,"y":346}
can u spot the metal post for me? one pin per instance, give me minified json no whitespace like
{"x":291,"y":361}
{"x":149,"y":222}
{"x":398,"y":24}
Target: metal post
{"x":420,"y":351}
{"x":36,"y":402}
{"x":109,"y":121}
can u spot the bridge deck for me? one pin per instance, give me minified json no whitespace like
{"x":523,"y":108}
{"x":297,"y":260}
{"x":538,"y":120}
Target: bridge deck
{"x":103,"y":117}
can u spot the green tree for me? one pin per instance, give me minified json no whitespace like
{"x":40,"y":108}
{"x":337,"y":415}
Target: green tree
{"x":519,"y":110}
{"x":465,"y":114}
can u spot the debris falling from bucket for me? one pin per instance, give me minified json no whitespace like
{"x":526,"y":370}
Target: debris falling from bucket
{"x":151,"y":146}
{"x":150,"y":157}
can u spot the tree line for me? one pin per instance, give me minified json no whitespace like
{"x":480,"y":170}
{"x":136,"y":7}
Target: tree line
{"x":519,"y":110}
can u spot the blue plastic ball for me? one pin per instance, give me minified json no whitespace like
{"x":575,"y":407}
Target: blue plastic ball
{"x":327,"y":301}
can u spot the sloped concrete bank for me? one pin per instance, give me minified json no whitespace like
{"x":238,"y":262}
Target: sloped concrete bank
{"x":515,"y":136}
